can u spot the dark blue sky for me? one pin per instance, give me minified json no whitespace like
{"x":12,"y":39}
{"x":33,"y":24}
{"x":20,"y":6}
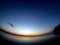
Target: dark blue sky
{"x":33,"y":15}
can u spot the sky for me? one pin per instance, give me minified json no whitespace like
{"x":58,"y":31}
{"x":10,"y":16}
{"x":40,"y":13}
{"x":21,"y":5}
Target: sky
{"x":30,"y":16}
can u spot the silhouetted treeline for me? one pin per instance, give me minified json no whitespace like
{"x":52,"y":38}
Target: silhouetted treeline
{"x":56,"y":30}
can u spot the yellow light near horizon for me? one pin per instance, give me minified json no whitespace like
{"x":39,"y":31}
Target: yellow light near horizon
{"x":29,"y":31}
{"x":26,"y":31}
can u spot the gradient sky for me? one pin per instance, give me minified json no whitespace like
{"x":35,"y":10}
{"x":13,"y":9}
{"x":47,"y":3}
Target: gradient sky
{"x":30,"y":16}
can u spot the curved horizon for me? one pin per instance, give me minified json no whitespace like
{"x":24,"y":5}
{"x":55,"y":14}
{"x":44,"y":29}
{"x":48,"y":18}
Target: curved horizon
{"x":22,"y":35}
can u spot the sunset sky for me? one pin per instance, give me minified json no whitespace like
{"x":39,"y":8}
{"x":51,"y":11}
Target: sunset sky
{"x":30,"y":16}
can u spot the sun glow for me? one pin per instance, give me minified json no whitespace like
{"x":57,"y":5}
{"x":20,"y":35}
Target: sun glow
{"x":27,"y":31}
